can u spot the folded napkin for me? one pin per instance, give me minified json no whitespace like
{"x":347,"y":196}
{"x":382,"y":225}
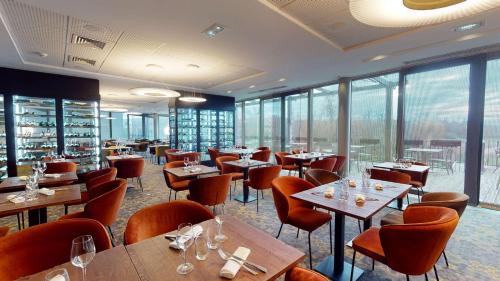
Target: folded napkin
{"x":196,"y":230}
{"x":195,"y":170}
{"x":46,"y":191}
{"x":52,"y":175}
{"x":352,"y":183}
{"x":359,"y":198}
{"x":23,"y":178}
{"x":58,"y":277}
{"x":379,"y":186}
{"x":231,"y":268}
{"x":329,"y":192}
{"x":16,"y":198}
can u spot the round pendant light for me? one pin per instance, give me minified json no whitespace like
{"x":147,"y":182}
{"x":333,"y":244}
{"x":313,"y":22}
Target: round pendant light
{"x":412,"y":13}
{"x":155,"y":92}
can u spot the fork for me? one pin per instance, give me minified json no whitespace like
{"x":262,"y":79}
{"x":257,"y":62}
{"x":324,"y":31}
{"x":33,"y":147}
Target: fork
{"x":226,"y":258}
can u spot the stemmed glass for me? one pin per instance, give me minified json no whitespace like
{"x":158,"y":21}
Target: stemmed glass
{"x":82,"y":252}
{"x":186,"y":162}
{"x":184,"y":239}
{"x":43,"y":168}
{"x":219,"y":210}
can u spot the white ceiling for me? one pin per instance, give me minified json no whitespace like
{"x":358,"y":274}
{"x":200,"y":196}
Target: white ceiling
{"x":306,"y":42}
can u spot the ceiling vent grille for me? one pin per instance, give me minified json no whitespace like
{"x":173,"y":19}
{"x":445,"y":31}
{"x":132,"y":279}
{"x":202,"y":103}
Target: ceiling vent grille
{"x":84,"y":41}
{"x":268,"y":89}
{"x":82,"y":61}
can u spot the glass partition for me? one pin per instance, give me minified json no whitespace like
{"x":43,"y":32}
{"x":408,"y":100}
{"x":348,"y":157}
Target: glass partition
{"x":119,"y":126}
{"x":135,"y":126}
{"x":149,"y":129}
{"x":163,"y":128}
{"x":252,"y":123}
{"x":296,"y":111}
{"x":105,"y":125}
{"x":272,"y":124}
{"x":238,"y":126}
{"x":325,"y":112}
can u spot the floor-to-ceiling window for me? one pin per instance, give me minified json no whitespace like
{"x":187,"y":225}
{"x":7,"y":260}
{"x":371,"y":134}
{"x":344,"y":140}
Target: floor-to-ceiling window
{"x":119,"y":125}
{"x":163,"y":128}
{"x":490,"y":174}
{"x":238,"y":124}
{"x":105,"y":129}
{"x":252,"y":123}
{"x":436,"y":111}
{"x":296,"y":110}
{"x":149,"y":129}
{"x":272,"y":123}
{"x":373,"y":120}
{"x":135,"y":126}
{"x":325,"y":105}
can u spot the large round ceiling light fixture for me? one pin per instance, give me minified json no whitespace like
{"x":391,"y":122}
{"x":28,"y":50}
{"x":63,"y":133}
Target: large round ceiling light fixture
{"x":192,"y":99}
{"x":155,"y":92}
{"x":411,"y":13}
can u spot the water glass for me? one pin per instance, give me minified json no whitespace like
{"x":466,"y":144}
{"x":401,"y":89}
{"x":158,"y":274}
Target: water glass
{"x":60,"y":274}
{"x":32,"y":187}
{"x":365,"y":177}
{"x":344,"y":192}
{"x":201,"y":247}
{"x":219,"y":237}
{"x":82,"y":252}
{"x":211,"y":232}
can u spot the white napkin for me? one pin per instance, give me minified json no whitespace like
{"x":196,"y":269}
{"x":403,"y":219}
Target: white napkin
{"x":46,"y":191}
{"x":52,"y":175}
{"x":58,"y":277}
{"x":195,"y":170}
{"x":195,"y":231}
{"x":16,"y":199}
{"x":359,"y":198}
{"x":231,"y":268}
{"x":23,"y":178}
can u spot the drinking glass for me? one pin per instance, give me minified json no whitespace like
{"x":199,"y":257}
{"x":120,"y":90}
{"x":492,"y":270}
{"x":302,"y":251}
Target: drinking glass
{"x":184,"y":240}
{"x":36,"y":166}
{"x":82,"y":252}
{"x":220,"y":237}
{"x":43,"y":168}
{"x":186,"y":163}
{"x":201,"y":246}
{"x":32,"y":187}
{"x":60,"y":274}
{"x":211,"y":232}
{"x":366,"y":178}
{"x":344,"y":192}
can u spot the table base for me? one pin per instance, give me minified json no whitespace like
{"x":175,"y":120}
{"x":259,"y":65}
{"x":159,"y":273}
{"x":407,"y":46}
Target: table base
{"x":326,"y":268}
{"x":241,"y":198}
{"x":37,"y":216}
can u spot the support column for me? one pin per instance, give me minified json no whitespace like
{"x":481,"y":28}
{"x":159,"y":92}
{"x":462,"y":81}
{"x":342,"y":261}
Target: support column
{"x":388,"y":124}
{"x":344,"y":125}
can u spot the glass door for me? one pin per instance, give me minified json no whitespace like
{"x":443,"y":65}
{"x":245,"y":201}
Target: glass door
{"x":252,"y":123}
{"x":208,"y":132}
{"x":325,"y":112}
{"x":35,"y":131}
{"x":3,"y":144}
{"x":226,"y":129}
{"x":296,"y":111}
{"x":187,"y":132}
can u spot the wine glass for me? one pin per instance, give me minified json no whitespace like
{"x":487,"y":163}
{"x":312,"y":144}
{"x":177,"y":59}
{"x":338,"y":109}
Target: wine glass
{"x":82,"y":252}
{"x":184,"y":239}
{"x":219,"y":210}
{"x":36,"y":166}
{"x":43,"y":168}
{"x":186,"y":162}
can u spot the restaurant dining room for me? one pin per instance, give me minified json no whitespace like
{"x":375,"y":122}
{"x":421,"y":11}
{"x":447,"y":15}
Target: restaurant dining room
{"x":290,"y":140}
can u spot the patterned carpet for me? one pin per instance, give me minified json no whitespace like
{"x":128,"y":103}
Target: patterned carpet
{"x":473,"y":251}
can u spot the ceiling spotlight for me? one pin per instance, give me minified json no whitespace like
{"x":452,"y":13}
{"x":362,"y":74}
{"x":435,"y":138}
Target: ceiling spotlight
{"x":376,"y":58}
{"x":468,"y":27}
{"x":282,"y":79}
{"x":213,"y":30}
{"x":192,"y":65}
{"x":251,"y":86}
{"x":229,"y":91}
{"x":41,"y":54}
{"x":155,"y":92}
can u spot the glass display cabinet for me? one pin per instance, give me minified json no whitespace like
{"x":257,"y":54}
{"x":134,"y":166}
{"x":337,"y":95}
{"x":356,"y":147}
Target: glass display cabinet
{"x":172,"y":116}
{"x":208,"y":131}
{"x":226,"y":129}
{"x":187,"y":132}
{"x":35,"y":131}
{"x":3,"y":143}
{"x":81,"y":133}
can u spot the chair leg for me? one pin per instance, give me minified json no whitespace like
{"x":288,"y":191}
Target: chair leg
{"x":359,"y":226}
{"x":426,"y":278}
{"x":175,"y":196}
{"x":298,"y":229}
{"x":140,"y":183}
{"x":112,"y":236}
{"x":257,"y":200}
{"x":18,"y":221}
{"x":436,"y":273}
{"x":169,"y":195}
{"x":353,"y":260}
{"x":445,"y":259}
{"x":373,"y":264}
{"x":262,"y":192}
{"x":310,"y":252}
{"x":22,"y":218}
{"x":279,"y":232}
{"x":407,"y":198}
{"x":331,"y":244}
{"x":407,"y":277}
{"x":65,"y":209}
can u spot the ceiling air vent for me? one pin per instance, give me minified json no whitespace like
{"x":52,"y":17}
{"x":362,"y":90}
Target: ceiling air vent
{"x":268,"y":89}
{"x":82,"y":61}
{"x":80,"y":40}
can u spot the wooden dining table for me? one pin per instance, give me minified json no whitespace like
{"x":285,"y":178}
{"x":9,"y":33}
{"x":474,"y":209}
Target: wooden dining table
{"x":182,"y":172}
{"x":300,"y":159}
{"x":245,"y":166}
{"x":334,"y":266}
{"x":11,"y":184}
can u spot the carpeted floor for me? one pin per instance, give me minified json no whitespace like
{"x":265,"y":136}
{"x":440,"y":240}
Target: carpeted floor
{"x":473,"y":251}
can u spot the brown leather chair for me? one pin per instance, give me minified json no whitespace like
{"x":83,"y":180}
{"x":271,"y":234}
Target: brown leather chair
{"x":129,"y":168}
{"x":320,"y":177}
{"x":46,"y":245}
{"x":261,"y":178}
{"x":324,"y":164}
{"x":235,"y":172}
{"x":92,"y":179}
{"x":4,"y":230}
{"x":105,"y":204}
{"x":302,"y":274}
{"x":295,"y":212}
{"x":339,"y":164}
{"x":392,"y":176}
{"x":262,"y":155}
{"x":60,"y":167}
{"x":411,"y":248}
{"x":286,"y":163}
{"x":210,"y":191}
{"x":162,"y":218}
{"x":174,"y":183}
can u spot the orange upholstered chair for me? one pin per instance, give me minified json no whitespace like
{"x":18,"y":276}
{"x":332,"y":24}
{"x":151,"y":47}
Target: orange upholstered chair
{"x":261,"y":178}
{"x":339,"y":163}
{"x":92,"y":179}
{"x":180,"y":157}
{"x":295,"y":212}
{"x":262,"y":155}
{"x":168,"y":151}
{"x":302,"y":274}
{"x":286,"y":163}
{"x":46,"y":245}
{"x":392,"y":176}
{"x":324,"y":164}
{"x":235,"y":172}
{"x":60,"y":167}
{"x":305,"y":164}
{"x":162,"y":218}
{"x":4,"y":230}
{"x":411,"y":248}
{"x":210,"y":191}
{"x":213,"y":153}
{"x":129,"y":168}
{"x":320,"y":177}
{"x":419,"y":180}
{"x":263,"y":148}
{"x":105,"y":204}
{"x":173,"y":182}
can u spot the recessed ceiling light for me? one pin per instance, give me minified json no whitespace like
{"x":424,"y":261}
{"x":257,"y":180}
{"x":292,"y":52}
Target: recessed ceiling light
{"x":213,"y":30}
{"x":469,"y":37}
{"x":154,"y":67}
{"x":468,"y":27}
{"x":282,"y":79}
{"x":155,"y":92}
{"x":192,"y":65}
{"x":229,"y":91}
{"x":251,"y":86}
{"x":41,"y":54}
{"x":192,"y":99}
{"x":376,"y":58}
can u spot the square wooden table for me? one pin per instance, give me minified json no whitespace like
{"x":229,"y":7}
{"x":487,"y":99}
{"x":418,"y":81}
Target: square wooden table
{"x":399,"y":167}
{"x":112,"y":264}
{"x":182,"y":172}
{"x":17,"y":184}
{"x":154,"y":260}
{"x":245,"y":167}
{"x":120,"y":157}
{"x":239,"y":151}
{"x":306,"y":157}
{"x":333,"y":266}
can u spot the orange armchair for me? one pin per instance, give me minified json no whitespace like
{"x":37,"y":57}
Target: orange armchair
{"x":392,"y":176}
{"x":60,"y":167}
{"x":339,"y":164}
{"x":129,"y":168}
{"x":4,"y":230}
{"x":173,"y":182}
{"x":411,"y":248}
{"x":46,"y":245}
{"x":262,"y":155}
{"x":213,"y":153}
{"x":286,"y":163}
{"x":320,"y":177}
{"x":324,"y":164}
{"x":210,"y":191}
{"x":302,"y":274}
{"x":180,"y":157}
{"x":263,"y":148}
{"x":261,"y":178}
{"x":235,"y":172}
{"x":295,"y":212}
{"x":162,"y":218}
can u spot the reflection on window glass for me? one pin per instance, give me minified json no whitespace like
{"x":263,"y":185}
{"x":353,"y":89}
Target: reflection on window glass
{"x":325,"y":105}
{"x":373,"y":120}
{"x":105,"y":132}
{"x":135,"y":122}
{"x":296,"y":121}
{"x":119,"y":125}
{"x":149,"y":131}
{"x":163,"y":128}
{"x":272,"y":123}
{"x":238,"y":129}
{"x":252,"y":124}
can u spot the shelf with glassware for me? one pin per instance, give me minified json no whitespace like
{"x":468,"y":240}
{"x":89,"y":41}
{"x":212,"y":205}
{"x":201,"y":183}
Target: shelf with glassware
{"x":3,"y":143}
{"x":226,"y":129}
{"x":208,"y":132}
{"x":35,"y":130}
{"x":81,"y":133}
{"x":187,"y":129}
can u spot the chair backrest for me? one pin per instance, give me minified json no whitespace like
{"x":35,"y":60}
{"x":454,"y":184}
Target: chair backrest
{"x":454,"y":200}
{"x":422,"y":177}
{"x":324,"y":164}
{"x":162,"y":218}
{"x":262,"y":177}
{"x":262,"y":155}
{"x":60,"y":167}
{"x":142,"y":147}
{"x":105,"y":201}
{"x":282,"y":160}
{"x":129,"y":167}
{"x":107,"y":177}
{"x":46,"y":245}
{"x":285,"y":186}
{"x":3,"y":231}
{"x":225,"y":169}
{"x":210,"y":191}
{"x":180,"y":157}
{"x":263,"y":148}
{"x":414,"y":247}
{"x":302,"y":274}
{"x":297,"y":151}
{"x":213,"y":153}
{"x":320,"y":177}
{"x":169,"y":178}
{"x":392,"y":176}
{"x":92,"y":175}
{"x":339,"y":163}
